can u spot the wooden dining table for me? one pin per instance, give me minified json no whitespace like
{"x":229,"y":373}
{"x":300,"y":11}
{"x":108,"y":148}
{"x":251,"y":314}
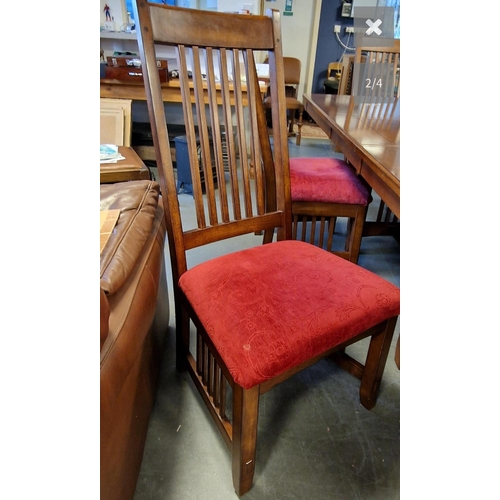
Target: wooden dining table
{"x":367,"y":133}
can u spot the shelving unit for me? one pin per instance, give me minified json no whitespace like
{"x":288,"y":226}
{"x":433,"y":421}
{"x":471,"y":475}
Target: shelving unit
{"x":118,"y":35}
{"x":112,"y":41}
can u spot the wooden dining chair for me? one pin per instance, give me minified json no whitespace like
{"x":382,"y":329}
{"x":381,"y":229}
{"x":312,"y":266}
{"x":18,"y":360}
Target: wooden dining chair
{"x":250,"y":319}
{"x":380,"y":71}
{"x":325,"y":190}
{"x":333,"y":77}
{"x":294,"y":107}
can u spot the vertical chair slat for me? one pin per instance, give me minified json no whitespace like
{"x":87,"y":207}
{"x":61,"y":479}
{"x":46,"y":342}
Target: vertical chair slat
{"x":204,"y":375}
{"x":295,"y":223}
{"x":331,"y":230}
{"x":204,"y":138}
{"x":228,"y":126}
{"x":321,"y":231}
{"x":190,"y":127}
{"x":216,"y":128}
{"x":216,"y":395}
{"x":216,"y":139}
{"x":199,"y":353}
{"x":211,"y":371}
{"x":243,"y":126}
{"x":222,"y":395}
{"x":312,"y":234}
{"x":254,"y":107}
{"x":243,"y":146}
{"x":304,"y":220}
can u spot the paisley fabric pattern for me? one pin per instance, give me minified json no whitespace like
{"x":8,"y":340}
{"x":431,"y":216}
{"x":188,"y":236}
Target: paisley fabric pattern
{"x":269,"y":308}
{"x":327,"y":180}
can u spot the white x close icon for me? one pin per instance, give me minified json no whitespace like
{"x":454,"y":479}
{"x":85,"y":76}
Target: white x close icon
{"x":373,"y":27}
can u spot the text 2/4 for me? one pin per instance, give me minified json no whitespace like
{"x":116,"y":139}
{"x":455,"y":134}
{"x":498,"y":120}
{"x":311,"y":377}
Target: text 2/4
{"x":371,"y":84}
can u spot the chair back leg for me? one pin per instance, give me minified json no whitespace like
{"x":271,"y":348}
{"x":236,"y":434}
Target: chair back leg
{"x":355,"y":233}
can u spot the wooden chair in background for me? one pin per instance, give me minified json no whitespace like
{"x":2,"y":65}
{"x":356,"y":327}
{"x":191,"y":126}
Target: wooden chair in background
{"x":323,"y":191}
{"x":333,"y":76}
{"x":385,"y":221}
{"x":389,"y":53}
{"x":250,"y":319}
{"x":381,"y":69}
{"x":294,"y":107}
{"x":382,"y":65}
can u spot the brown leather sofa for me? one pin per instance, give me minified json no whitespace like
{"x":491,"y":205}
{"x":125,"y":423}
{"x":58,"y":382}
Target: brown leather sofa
{"x":134,"y":322}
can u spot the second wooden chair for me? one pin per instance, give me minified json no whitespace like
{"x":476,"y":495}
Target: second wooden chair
{"x":323,"y":190}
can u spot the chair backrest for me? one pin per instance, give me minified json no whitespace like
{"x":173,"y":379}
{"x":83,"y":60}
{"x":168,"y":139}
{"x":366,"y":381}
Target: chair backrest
{"x":292,"y":75}
{"x":292,"y":67}
{"x":334,"y":70}
{"x":240,"y":185}
{"x":292,"y":70}
{"x":381,"y":71}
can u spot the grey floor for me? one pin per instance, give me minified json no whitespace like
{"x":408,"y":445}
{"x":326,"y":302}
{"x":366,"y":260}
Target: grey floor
{"x":315,"y":440}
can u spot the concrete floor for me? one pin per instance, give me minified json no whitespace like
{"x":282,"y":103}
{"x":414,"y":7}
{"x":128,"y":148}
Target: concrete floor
{"x":315,"y":440}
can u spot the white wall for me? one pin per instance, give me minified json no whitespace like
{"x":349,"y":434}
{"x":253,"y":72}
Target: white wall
{"x":297,"y":31}
{"x":237,"y":5}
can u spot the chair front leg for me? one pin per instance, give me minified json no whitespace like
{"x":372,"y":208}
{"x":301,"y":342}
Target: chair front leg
{"x":376,"y":358}
{"x":245,"y":420}
{"x":182,"y":327}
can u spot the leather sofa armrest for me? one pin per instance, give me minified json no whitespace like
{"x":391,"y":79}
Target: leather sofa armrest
{"x":137,"y":202}
{"x":105,"y":311}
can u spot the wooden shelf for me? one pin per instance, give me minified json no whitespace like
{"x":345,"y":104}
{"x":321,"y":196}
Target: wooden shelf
{"x":118,"y":35}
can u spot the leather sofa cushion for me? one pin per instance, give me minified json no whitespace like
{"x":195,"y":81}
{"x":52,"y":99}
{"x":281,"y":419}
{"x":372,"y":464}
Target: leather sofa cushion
{"x":137,"y":202}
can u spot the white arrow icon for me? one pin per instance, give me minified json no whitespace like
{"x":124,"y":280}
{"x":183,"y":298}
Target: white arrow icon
{"x":373,"y":27}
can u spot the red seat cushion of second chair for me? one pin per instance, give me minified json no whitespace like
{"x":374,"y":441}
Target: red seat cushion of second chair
{"x":326,"y":180}
{"x":271,"y":307}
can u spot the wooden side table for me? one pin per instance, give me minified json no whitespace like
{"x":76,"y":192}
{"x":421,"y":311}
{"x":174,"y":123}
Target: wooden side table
{"x":130,"y":169}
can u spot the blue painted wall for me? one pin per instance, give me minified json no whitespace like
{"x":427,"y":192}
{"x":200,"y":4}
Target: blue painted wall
{"x":328,"y":49}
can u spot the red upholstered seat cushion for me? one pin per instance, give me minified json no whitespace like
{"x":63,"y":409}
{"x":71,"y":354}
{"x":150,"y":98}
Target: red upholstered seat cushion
{"x":269,"y":308}
{"x":327,"y":180}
